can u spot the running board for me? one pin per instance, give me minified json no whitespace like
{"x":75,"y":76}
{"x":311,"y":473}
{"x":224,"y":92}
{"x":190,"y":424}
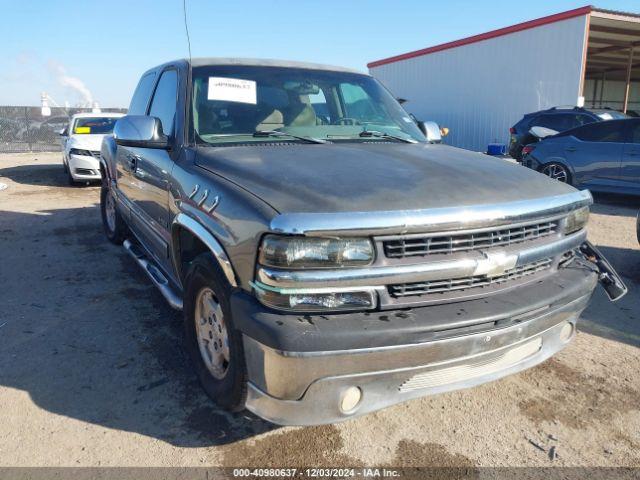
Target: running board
{"x":154,"y":273}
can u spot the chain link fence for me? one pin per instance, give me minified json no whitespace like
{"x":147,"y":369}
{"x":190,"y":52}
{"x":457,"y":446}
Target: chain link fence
{"x":25,"y":129}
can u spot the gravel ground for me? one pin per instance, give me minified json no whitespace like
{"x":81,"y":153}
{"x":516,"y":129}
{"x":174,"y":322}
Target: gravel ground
{"x":92,"y":370}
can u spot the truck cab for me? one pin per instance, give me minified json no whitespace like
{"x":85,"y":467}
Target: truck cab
{"x":329,"y":258}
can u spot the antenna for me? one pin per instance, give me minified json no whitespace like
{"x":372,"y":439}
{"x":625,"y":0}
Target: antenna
{"x":189,"y":70}
{"x":186,"y":26}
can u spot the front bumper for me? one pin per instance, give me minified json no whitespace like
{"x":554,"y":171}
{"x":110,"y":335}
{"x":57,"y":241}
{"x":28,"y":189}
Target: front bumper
{"x":412,"y":356}
{"x":84,"y":167}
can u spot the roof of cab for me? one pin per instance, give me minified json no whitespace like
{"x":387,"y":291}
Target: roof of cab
{"x":260,"y":62}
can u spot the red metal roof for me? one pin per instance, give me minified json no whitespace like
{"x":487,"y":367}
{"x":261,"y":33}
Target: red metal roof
{"x":486,"y":36}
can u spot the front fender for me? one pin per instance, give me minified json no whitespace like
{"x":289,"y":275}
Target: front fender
{"x":108,"y":152}
{"x":182,"y":220}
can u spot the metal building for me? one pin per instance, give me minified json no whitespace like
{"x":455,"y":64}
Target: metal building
{"x":480,"y":86}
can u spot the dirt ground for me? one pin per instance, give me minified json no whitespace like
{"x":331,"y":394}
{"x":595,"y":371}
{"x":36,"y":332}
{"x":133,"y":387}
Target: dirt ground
{"x":93,"y":373}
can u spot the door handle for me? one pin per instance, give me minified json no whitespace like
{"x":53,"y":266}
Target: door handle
{"x":133,"y":162}
{"x":570,"y":149}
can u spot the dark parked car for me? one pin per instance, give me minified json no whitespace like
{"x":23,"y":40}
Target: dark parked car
{"x":558,"y":119}
{"x":603,"y":156}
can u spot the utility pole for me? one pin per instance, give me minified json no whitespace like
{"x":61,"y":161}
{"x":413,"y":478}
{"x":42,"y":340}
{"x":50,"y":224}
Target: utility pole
{"x":628,"y":85}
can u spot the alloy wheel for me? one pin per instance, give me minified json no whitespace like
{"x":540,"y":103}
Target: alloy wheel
{"x":110,"y":211}
{"x":211,"y":330}
{"x":557,"y":172}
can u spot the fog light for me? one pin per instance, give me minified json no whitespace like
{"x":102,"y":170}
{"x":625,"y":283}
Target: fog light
{"x":317,"y":302}
{"x":567,"y":332}
{"x":350,"y":399}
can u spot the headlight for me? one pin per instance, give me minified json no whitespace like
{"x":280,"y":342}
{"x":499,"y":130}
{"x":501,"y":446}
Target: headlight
{"x":303,"y":252}
{"x":77,"y":151}
{"x":576,"y":220}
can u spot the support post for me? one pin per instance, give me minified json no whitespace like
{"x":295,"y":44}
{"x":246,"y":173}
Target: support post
{"x":604,"y":79}
{"x":627,"y":89}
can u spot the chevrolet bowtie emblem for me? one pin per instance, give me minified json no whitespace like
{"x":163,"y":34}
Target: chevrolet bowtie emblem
{"x":495,"y":263}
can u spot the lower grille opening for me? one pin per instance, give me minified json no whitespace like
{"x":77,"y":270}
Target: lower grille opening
{"x":85,"y":171}
{"x":486,"y":365}
{"x":459,"y":284}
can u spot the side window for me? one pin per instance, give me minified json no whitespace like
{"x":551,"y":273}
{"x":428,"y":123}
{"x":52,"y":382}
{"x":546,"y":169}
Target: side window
{"x":609,"y":131}
{"x":163,"y":104}
{"x":558,"y":122}
{"x":141,"y":96}
{"x":583,"y":120}
{"x":635,"y":132}
{"x":541,"y":121}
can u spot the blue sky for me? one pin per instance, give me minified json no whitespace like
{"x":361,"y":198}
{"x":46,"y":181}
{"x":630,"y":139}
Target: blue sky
{"x":76,"y":49}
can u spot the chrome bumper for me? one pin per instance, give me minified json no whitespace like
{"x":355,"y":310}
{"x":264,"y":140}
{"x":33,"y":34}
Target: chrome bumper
{"x":305,"y":388}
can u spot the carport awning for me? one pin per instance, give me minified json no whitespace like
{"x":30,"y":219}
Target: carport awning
{"x":613,"y":52}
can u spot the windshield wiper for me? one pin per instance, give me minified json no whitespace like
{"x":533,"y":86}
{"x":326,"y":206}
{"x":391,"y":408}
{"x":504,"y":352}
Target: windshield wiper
{"x":377,"y":134}
{"x":276,"y":133}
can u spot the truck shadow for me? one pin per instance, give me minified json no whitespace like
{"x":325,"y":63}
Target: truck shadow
{"x":51,"y":175}
{"x":620,"y":320}
{"x":85,"y":333}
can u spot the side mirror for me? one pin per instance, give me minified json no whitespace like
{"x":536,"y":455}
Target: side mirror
{"x":64,"y":132}
{"x":140,"y":131}
{"x":542,"y":132}
{"x":431,"y":130}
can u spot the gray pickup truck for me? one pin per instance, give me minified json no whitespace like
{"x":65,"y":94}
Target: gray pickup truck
{"x":330,"y":258}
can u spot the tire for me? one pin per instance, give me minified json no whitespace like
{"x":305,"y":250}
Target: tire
{"x":115,"y":227}
{"x":223,"y":377}
{"x":70,"y":180}
{"x":557,"y":171}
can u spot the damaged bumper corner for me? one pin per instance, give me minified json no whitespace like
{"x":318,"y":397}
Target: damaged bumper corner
{"x":607,"y":276}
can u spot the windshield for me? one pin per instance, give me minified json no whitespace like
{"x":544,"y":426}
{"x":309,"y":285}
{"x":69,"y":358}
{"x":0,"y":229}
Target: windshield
{"x":94,"y":125}
{"x":232,"y":103}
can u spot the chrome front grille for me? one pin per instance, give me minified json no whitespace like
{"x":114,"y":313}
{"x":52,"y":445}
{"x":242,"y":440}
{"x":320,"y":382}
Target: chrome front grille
{"x":96,"y":154}
{"x":414,"y":246}
{"x":473,"y":282}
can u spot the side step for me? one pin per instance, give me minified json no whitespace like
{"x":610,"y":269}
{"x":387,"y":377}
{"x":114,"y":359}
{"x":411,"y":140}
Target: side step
{"x":154,"y":273}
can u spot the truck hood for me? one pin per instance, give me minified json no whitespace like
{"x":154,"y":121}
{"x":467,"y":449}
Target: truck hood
{"x":373,"y":176}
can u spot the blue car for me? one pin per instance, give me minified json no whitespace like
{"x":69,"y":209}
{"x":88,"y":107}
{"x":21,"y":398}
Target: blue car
{"x":602,"y":156}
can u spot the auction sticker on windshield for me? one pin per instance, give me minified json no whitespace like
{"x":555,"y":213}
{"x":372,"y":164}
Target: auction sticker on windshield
{"x":232,"y":90}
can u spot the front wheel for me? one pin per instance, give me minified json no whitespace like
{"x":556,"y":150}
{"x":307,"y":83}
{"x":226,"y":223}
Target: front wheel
{"x":70,"y":179}
{"x":214,"y":345}
{"x":114,"y":225}
{"x":557,"y":171}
